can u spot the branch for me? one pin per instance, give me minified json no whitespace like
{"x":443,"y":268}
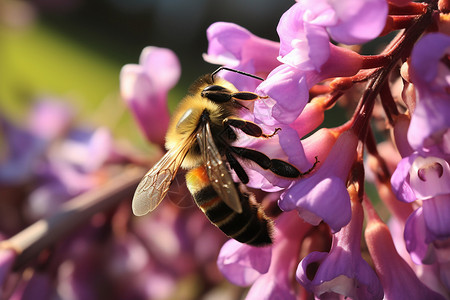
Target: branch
{"x":31,"y":241}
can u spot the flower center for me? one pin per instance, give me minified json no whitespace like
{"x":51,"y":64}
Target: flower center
{"x":430,"y":171}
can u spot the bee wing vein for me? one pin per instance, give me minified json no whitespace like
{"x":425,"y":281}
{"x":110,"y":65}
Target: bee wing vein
{"x":156,"y":183}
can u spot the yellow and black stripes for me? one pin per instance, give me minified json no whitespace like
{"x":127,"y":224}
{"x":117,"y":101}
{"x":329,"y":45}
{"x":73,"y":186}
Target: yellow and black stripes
{"x":251,"y":226}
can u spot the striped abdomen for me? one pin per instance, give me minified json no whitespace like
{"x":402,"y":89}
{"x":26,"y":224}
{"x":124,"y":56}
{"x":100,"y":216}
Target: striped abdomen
{"x":251,"y":226}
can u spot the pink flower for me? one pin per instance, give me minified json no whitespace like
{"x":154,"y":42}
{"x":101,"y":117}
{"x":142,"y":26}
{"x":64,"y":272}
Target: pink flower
{"x":289,"y":85}
{"x":269,"y":269}
{"x":144,"y":88}
{"x":397,"y":278}
{"x":342,"y":271}
{"x":242,"y":264}
{"x":430,"y":126}
{"x":323,"y":195}
{"x":50,"y":119}
{"x":235,"y":47}
{"x":349,"y":21}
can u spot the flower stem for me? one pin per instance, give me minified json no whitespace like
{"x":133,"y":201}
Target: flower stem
{"x":412,"y":8}
{"x":401,"y":48}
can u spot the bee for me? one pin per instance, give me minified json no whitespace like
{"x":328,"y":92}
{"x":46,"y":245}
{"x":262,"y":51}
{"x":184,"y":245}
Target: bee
{"x":200,"y":139}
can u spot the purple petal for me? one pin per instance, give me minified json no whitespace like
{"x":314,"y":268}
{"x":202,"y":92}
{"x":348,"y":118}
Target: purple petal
{"x":242,"y":264}
{"x":236,"y":47}
{"x":342,"y":270}
{"x":429,"y":121}
{"x":426,"y":60}
{"x":400,"y":180}
{"x":23,"y":151}
{"x":431,"y":78}
{"x":341,"y":274}
{"x":268,"y":288}
{"x":291,"y":144}
{"x":288,"y":87}
{"x":429,"y":177}
{"x":326,"y":200}
{"x":146,"y":102}
{"x":415,"y":236}
{"x":162,"y":67}
{"x":302,"y":274}
{"x":398,"y":279}
{"x":302,"y":45}
{"x":46,"y":199}
{"x":436,"y":213}
{"x":226,"y":42}
{"x":50,"y":119}
{"x":359,"y":21}
{"x":323,"y":195}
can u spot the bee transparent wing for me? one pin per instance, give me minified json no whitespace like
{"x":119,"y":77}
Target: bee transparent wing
{"x":217,"y":171}
{"x":155,"y":184}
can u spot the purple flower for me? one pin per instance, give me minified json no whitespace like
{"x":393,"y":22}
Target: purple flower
{"x":22,"y":151}
{"x":289,"y":85}
{"x":144,"y":88}
{"x":269,"y":269}
{"x":324,"y":196}
{"x":418,"y":177}
{"x":426,"y":179}
{"x":50,"y":119}
{"x":400,"y":180}
{"x":415,"y":236}
{"x":242,"y":264}
{"x":397,"y":278}
{"x":429,"y":177}
{"x":70,"y":167}
{"x":429,"y":122}
{"x":342,"y":270}
{"x":347,"y":22}
{"x":286,"y":145}
{"x":235,"y":47}
{"x":304,"y":44}
{"x":307,"y":55}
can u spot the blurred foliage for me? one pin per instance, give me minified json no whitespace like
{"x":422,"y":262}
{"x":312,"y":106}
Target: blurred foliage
{"x":73,"y":50}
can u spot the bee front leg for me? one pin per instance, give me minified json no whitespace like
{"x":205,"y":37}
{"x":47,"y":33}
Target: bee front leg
{"x":248,"y":127}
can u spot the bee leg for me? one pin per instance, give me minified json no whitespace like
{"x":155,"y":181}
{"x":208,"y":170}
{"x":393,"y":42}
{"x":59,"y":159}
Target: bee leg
{"x":276,"y":166}
{"x":248,"y":127}
{"x":312,"y":168}
{"x":247,"y":96}
{"x":236,"y":166}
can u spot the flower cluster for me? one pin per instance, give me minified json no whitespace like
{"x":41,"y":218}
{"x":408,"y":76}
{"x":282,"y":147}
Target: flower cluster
{"x":403,"y":90}
{"x":66,"y":230}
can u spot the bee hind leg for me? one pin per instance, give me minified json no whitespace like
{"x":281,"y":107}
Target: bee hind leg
{"x":249,"y":128}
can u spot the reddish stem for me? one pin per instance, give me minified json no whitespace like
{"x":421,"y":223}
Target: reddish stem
{"x":397,"y":22}
{"x":412,"y":8}
{"x":319,"y":89}
{"x":388,"y":103}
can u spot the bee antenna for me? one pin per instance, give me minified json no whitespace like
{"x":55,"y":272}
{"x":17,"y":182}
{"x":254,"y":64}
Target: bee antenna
{"x":235,"y":71}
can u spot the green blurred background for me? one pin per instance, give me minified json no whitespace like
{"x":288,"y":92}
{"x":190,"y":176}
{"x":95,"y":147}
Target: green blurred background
{"x":73,"y":50}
